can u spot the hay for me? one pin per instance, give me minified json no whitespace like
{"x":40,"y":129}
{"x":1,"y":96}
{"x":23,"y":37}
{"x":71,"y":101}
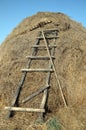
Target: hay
{"x":70,"y":63}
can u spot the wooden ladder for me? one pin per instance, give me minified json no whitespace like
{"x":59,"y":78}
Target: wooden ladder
{"x":44,"y":35}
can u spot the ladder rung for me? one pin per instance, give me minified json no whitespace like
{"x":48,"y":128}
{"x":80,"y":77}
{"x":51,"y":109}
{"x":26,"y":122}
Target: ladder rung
{"x":24,"y":109}
{"x":51,"y":30}
{"x":40,"y":57}
{"x":47,"y":37}
{"x":37,"y":70}
{"x":42,"y":46}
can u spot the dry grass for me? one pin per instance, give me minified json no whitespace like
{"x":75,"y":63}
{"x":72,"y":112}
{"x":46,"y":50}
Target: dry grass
{"x":70,"y":63}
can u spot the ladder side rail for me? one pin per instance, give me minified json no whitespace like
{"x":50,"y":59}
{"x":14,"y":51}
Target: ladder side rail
{"x":57,"y":80}
{"x":16,"y":97}
{"x":45,"y":96}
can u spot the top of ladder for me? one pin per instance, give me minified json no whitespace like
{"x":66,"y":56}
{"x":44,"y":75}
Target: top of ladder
{"x":50,"y":30}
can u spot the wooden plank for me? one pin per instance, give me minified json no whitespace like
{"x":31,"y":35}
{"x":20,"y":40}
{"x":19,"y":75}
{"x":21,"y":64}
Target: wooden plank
{"x":40,"y":24}
{"x":37,"y":70}
{"x":16,"y":96}
{"x":45,"y":96}
{"x":24,"y":109}
{"x":44,"y":99}
{"x":35,"y":94}
{"x":57,"y":80}
{"x":39,"y":57}
{"x":41,"y":38}
{"x":43,"y":46}
{"x":50,"y":30}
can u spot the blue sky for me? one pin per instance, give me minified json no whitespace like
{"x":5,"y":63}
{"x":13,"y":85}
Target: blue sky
{"x":12,"y":12}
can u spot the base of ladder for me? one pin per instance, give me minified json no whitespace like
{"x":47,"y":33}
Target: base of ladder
{"x":24,"y":109}
{"x":37,"y":70}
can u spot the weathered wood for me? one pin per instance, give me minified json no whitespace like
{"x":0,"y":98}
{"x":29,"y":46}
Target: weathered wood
{"x":35,"y":94}
{"x":39,"y":57}
{"x":50,"y":30}
{"x":43,"y":46}
{"x":14,"y":103}
{"x":44,"y":99}
{"x":57,"y":80}
{"x":40,"y":24}
{"x":24,"y":109}
{"x":51,"y":37}
{"x":16,"y":97}
{"x":37,"y":70}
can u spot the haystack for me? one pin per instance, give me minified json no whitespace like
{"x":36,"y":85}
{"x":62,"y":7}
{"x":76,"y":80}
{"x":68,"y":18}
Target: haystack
{"x":70,"y":63}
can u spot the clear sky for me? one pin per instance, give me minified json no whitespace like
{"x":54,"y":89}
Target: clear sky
{"x":12,"y":12}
